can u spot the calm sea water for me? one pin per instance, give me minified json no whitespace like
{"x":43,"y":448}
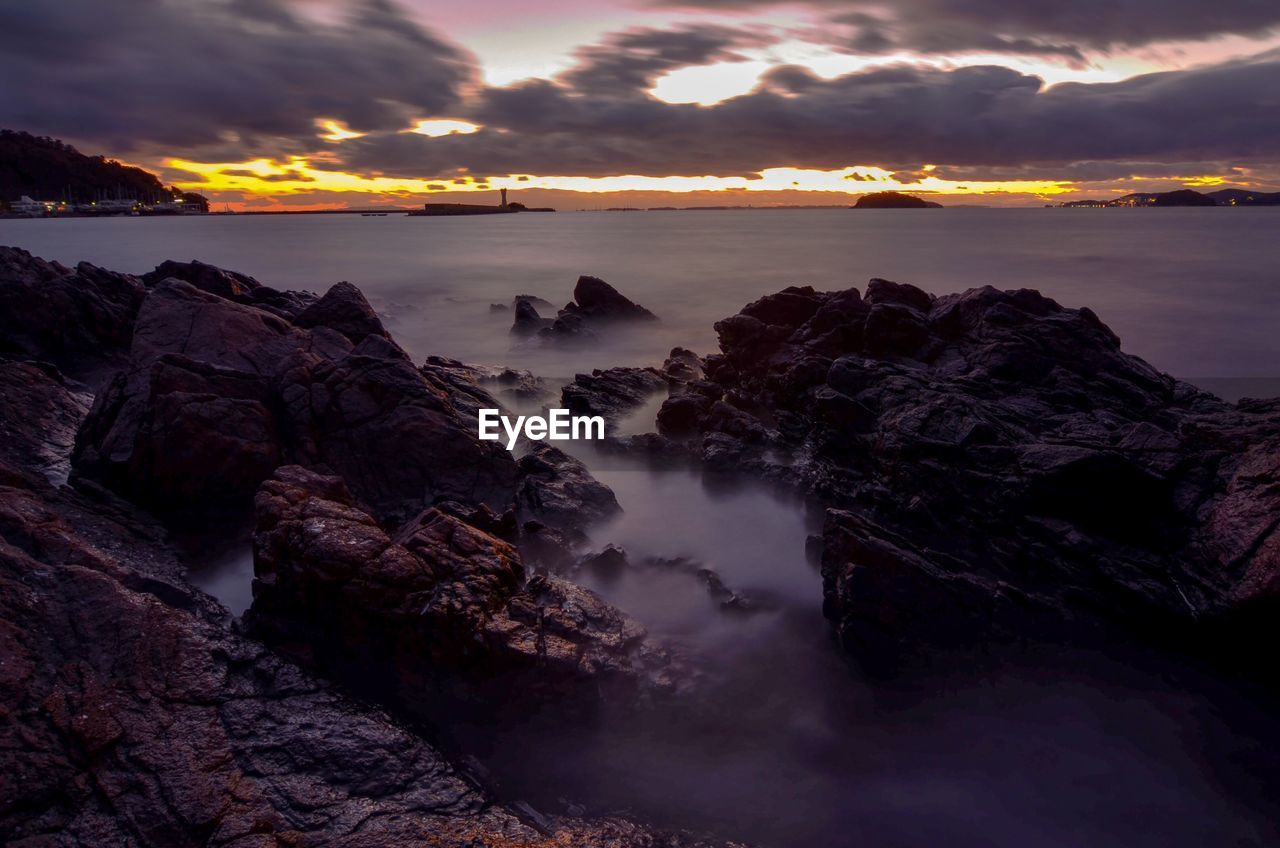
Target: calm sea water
{"x":1063,"y":750}
{"x":1194,"y":291}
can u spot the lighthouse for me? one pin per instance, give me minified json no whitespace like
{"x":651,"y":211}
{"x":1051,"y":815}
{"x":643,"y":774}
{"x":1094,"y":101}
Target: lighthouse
{"x":504,"y":197}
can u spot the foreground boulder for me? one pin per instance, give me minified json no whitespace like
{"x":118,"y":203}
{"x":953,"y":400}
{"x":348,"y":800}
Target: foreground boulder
{"x":998,"y":468}
{"x":441,"y":598}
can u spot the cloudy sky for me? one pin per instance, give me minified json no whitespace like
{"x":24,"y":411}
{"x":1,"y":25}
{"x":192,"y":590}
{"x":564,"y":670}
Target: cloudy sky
{"x":588,"y":103}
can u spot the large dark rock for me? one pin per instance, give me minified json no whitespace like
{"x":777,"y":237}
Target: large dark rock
{"x":439,"y":595}
{"x":558,"y":491}
{"x":182,"y":433}
{"x":219,"y":393}
{"x":343,"y":308}
{"x":998,"y":467}
{"x":399,"y":442}
{"x":80,"y":320}
{"x":595,"y":306}
{"x":596,"y":300}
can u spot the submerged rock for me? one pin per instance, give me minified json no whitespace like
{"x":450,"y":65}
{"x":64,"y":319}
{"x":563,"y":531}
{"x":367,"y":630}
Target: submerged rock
{"x":998,"y":468}
{"x":595,"y":306}
{"x":528,"y":321}
{"x":596,"y":300}
{"x":479,"y":384}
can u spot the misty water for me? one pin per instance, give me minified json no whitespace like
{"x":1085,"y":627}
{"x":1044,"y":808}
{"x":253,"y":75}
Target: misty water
{"x":789,"y":744}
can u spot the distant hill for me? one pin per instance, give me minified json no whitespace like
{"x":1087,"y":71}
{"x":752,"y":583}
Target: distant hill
{"x":1245,"y":197}
{"x":894,"y":200}
{"x":48,"y":169}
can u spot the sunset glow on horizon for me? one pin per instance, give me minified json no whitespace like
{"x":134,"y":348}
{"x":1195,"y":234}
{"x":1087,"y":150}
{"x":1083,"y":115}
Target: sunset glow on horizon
{"x":269,"y":178}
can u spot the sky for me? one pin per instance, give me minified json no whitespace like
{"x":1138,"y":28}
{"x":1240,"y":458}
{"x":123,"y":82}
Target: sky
{"x":262,"y":104}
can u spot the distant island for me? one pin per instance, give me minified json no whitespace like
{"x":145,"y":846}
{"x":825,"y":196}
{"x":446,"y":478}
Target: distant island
{"x":1181,"y":197}
{"x":43,"y":176}
{"x":894,"y":200}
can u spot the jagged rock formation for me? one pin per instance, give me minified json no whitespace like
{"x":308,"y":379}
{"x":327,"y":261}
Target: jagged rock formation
{"x":997,"y":468}
{"x":595,"y":306}
{"x":597,"y":301}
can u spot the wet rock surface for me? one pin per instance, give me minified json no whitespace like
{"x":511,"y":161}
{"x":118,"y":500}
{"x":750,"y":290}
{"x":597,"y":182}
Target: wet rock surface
{"x":479,"y":385}
{"x":997,"y":468}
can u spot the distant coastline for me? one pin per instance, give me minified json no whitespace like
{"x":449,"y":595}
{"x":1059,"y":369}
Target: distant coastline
{"x":1180,"y":198}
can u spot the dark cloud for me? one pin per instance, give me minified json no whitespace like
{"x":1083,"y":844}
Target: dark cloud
{"x":974,"y":116}
{"x":632,"y":60}
{"x":223,"y":80}
{"x":1061,"y":27}
{"x":184,"y":73}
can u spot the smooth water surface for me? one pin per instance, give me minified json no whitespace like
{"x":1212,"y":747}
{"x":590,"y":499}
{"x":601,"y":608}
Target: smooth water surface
{"x":1194,"y":291}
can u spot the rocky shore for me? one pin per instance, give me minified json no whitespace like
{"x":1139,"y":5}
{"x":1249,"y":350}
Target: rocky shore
{"x":136,"y":712}
{"x":991,"y":466}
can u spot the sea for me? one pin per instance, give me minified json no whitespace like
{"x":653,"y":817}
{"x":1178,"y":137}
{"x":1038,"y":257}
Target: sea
{"x":791,"y":744}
